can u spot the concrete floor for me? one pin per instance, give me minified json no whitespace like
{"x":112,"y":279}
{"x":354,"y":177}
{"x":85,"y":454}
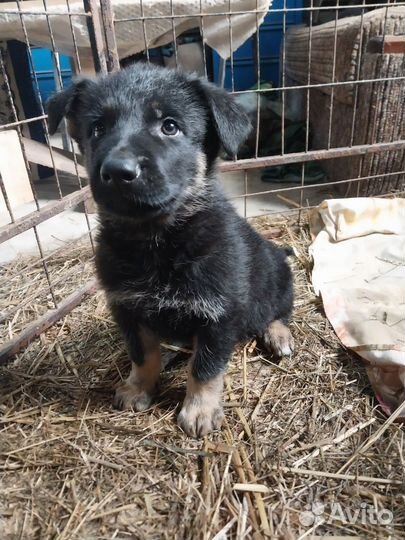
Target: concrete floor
{"x":259,"y":203}
{"x":72,"y":224}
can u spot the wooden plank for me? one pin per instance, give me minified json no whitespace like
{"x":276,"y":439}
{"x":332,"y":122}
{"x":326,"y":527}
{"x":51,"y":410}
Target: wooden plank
{"x":13,"y":173}
{"x":107,"y":14}
{"x":40,"y":154}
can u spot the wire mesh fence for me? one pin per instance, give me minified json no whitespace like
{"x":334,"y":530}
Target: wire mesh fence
{"x":327,"y":107}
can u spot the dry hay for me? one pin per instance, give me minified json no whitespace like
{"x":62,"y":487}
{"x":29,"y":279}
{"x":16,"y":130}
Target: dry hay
{"x":24,"y":284}
{"x":306,"y":430}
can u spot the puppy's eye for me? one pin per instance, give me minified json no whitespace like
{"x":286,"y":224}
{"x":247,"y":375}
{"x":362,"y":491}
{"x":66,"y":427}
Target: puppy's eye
{"x":98,"y":129}
{"x":169,"y":127}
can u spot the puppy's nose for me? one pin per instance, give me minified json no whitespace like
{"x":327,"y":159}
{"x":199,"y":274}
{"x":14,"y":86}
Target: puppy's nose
{"x":124,"y":170}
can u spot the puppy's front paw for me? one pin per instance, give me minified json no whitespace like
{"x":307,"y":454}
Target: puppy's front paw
{"x":283,"y":345}
{"x":131,"y":395}
{"x":278,"y":338}
{"x":197,"y":419}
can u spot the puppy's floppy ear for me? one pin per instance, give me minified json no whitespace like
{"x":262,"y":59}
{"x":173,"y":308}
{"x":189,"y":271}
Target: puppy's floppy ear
{"x":65,"y":104}
{"x":230,"y":120}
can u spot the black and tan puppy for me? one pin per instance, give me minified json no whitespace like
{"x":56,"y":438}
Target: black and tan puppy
{"x":176,"y":261}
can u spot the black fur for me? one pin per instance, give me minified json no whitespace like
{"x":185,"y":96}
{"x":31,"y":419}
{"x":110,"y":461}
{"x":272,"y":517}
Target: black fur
{"x":173,"y":255}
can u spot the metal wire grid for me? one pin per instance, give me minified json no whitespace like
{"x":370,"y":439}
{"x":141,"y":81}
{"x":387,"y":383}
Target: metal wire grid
{"x":101,"y":28}
{"x":49,"y":210}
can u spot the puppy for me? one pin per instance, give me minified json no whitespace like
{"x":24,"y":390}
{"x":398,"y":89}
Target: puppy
{"x":176,"y":261}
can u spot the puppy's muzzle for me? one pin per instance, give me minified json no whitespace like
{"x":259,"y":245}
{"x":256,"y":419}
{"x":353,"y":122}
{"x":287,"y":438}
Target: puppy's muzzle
{"x":135,"y":178}
{"x":125,"y":170}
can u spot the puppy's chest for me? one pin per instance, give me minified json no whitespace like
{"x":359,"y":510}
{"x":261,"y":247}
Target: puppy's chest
{"x":157,"y":284}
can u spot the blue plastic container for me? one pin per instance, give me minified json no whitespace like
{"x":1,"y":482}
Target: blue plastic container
{"x":270,"y":39}
{"x":43,"y":67}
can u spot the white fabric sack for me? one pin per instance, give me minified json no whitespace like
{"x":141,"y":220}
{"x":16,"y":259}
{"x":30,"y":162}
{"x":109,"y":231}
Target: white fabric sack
{"x":131,"y":35}
{"x":359,"y":271}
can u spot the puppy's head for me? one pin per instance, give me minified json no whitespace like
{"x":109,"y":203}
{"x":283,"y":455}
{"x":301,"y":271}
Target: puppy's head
{"x":149,"y":136}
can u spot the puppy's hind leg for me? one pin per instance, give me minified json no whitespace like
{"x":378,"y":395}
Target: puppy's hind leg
{"x":138,"y":389}
{"x":278,"y":339}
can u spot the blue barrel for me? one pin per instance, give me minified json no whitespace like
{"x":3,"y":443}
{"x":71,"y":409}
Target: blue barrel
{"x":43,"y":67}
{"x":270,"y":39}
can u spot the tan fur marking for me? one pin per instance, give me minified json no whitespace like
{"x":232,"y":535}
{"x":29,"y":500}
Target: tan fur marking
{"x":201,"y":161}
{"x":202,"y":408}
{"x":279,"y":338}
{"x":196,"y":192}
{"x":158,"y":111}
{"x":137,"y":390}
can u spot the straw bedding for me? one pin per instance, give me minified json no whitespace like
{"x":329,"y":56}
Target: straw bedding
{"x":305,"y":431}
